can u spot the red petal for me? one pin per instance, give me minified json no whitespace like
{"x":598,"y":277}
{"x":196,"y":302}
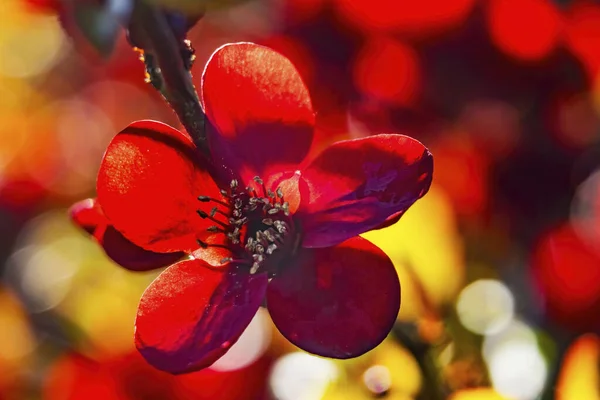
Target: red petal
{"x":132,"y":257}
{"x":291,"y":185}
{"x":356,"y":185}
{"x":259,"y":109}
{"x":391,"y":220}
{"x":89,"y":216}
{"x":192,"y":314}
{"x":148,"y":185}
{"x":217,"y":250}
{"x":336,"y":302}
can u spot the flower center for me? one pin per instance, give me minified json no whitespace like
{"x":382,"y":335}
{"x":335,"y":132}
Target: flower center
{"x":257,"y":224}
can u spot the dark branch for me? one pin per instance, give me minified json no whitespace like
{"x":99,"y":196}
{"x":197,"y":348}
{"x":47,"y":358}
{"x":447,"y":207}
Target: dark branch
{"x":167,"y":63}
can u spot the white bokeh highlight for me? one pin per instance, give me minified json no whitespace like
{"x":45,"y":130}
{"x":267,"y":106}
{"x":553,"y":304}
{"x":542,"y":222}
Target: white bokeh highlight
{"x":515,"y":363}
{"x":485,"y":306}
{"x":301,"y":376}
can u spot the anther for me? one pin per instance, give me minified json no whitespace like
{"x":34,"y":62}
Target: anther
{"x":214,"y":228}
{"x":202,"y":244}
{"x":202,"y":214}
{"x":281,"y":227}
{"x":270,"y":194}
{"x":273,"y":211}
{"x":254,"y":268}
{"x":206,"y":199}
{"x":234,"y":239}
{"x":233,"y":184}
{"x":226,"y":260}
{"x":260,"y":182}
{"x":213,"y":211}
{"x":269,"y":234}
{"x":224,"y":193}
{"x":272,"y":247}
{"x":267,"y":221}
{"x":259,"y":248}
{"x":279,"y":192}
{"x":240,"y":222}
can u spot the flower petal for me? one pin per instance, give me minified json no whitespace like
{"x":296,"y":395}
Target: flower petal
{"x":148,"y":185}
{"x":132,"y":257}
{"x":88,"y":215}
{"x":259,"y":109}
{"x":218,"y":249}
{"x":291,"y":184}
{"x":336,"y":302}
{"x":192,"y":314}
{"x":356,"y":185}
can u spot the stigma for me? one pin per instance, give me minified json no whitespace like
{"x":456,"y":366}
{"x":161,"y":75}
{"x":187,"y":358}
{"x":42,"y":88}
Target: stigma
{"x":256,"y":223}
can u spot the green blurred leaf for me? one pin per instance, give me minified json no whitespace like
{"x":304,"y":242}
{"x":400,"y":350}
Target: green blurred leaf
{"x":99,"y":26}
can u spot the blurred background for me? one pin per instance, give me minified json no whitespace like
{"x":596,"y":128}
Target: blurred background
{"x":499,"y":263}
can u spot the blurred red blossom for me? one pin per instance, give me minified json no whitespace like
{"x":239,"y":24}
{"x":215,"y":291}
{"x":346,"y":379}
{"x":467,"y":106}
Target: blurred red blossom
{"x":388,"y":70}
{"x":128,"y":377}
{"x":463,"y":173}
{"x":332,"y":293}
{"x":510,"y":24}
{"x":416,"y":19}
{"x":582,"y":30}
{"x":566,"y":269}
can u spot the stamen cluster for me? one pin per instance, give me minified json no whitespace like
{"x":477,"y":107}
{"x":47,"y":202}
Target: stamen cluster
{"x":257,"y":220}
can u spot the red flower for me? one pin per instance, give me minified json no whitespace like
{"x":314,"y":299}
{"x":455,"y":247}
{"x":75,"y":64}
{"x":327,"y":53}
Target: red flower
{"x":127,"y":376}
{"x":290,"y":236}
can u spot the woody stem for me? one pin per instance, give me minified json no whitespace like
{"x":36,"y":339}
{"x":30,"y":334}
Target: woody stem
{"x":167,"y":70}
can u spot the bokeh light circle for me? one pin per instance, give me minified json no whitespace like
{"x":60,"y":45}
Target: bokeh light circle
{"x":388,"y":70}
{"x":526,"y":29}
{"x":518,"y":370}
{"x":377,"y":379}
{"x":301,"y":376}
{"x":485,"y":306}
{"x":515,"y":363}
{"x":35,"y":42}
